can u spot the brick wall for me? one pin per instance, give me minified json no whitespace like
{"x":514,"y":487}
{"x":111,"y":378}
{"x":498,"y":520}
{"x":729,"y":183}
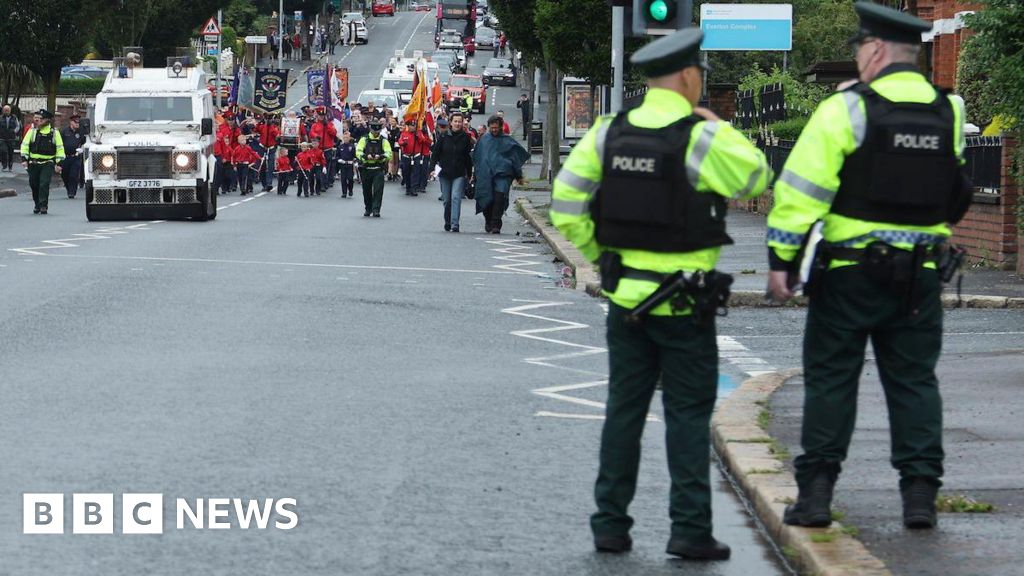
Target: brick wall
{"x":945,"y":46}
{"x":989,"y":230}
{"x":722,"y":100}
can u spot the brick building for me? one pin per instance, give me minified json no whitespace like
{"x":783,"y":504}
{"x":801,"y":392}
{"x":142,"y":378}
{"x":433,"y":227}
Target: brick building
{"x":942,"y":44}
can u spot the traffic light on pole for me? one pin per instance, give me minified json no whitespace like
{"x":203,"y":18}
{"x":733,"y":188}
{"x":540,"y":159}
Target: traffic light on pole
{"x":659,"y":17}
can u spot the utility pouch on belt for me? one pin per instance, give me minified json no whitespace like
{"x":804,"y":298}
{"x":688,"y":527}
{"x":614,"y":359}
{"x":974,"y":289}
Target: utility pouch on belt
{"x":950,"y":259}
{"x":709,"y":293}
{"x":610,"y":266}
{"x":880,"y":265}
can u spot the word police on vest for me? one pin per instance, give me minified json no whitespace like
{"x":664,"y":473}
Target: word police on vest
{"x":634,"y":164}
{"x":916,"y":141}
{"x":144,"y":513}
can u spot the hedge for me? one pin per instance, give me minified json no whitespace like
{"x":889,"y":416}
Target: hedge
{"x":79,"y":86}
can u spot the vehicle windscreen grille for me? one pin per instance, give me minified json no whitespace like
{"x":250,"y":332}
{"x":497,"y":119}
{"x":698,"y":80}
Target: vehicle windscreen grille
{"x":143,"y":164}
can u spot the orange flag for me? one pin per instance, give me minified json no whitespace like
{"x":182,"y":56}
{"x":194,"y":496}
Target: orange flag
{"x":435,"y":94}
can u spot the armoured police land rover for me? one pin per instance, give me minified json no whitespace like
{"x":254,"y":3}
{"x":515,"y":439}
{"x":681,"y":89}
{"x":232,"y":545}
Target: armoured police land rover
{"x":150,"y":148}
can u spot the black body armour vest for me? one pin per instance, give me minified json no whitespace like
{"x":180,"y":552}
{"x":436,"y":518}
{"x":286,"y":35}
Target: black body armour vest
{"x":906,"y":170}
{"x":646,"y":202}
{"x":374,"y":148}
{"x":43,"y":144}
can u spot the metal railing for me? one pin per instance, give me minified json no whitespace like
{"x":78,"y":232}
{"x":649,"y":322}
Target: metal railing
{"x":984,"y":155}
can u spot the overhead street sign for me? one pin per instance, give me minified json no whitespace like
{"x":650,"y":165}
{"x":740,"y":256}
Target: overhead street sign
{"x":255,"y":39}
{"x":211,"y":28}
{"x":747,"y":26}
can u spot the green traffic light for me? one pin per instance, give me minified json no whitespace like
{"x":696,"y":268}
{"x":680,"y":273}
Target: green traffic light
{"x":658,"y":10}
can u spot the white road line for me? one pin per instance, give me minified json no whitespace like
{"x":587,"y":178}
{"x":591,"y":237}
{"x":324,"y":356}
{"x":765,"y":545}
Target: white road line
{"x":517,"y":253}
{"x":299,"y":264}
{"x":741,"y":357}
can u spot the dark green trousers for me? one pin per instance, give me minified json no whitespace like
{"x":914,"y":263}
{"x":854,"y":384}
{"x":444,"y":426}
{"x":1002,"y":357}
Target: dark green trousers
{"x":849,"y":309}
{"x":373,"y":187}
{"x":39,"y":176}
{"x":686,"y":356}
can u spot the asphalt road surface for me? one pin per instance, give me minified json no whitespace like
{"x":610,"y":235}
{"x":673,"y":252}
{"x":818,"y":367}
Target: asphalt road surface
{"x":402,"y":384}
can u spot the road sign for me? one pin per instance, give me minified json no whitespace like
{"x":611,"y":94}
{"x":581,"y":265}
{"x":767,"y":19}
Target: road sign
{"x":255,"y":39}
{"x":298,"y":14}
{"x":211,"y":37}
{"x":747,"y":26}
{"x":211,"y":50}
{"x":211,"y":28}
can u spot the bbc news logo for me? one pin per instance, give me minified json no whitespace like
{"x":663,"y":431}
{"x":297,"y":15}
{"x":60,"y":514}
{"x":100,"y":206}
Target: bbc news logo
{"x":144,"y":513}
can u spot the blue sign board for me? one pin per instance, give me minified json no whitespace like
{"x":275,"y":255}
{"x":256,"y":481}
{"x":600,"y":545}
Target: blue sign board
{"x":747,"y":26}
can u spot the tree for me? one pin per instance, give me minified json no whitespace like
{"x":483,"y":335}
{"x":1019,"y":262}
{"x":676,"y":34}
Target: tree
{"x":998,"y":74}
{"x":124,"y":23}
{"x":41,"y":37}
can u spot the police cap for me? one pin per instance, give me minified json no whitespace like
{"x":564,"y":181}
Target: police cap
{"x":45,"y":114}
{"x":670,"y":53}
{"x":877,"y":21}
{"x":375,"y":124}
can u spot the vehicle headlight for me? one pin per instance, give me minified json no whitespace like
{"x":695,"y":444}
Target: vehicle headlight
{"x":185,"y":161}
{"x":104,"y":162}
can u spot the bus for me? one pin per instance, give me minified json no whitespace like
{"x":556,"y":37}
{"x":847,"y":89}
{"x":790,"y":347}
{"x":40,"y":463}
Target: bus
{"x":460,"y":16}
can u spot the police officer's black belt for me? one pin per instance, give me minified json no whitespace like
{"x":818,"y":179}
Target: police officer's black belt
{"x":857,"y":254}
{"x":648,"y":275}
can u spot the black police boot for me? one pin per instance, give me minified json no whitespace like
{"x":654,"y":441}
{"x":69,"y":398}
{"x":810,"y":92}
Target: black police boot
{"x":698,"y":549}
{"x":813,"y":507}
{"x":919,"y":503}
{"x":613,"y":544}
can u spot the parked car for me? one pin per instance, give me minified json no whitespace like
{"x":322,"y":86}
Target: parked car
{"x":462,"y":83}
{"x":383,"y":8}
{"x":225,"y":88}
{"x":459,"y":59}
{"x":82,"y":71}
{"x":485,"y":38}
{"x":499,"y":71}
{"x":362,"y":32}
{"x":449,"y":41}
{"x":420,"y":7}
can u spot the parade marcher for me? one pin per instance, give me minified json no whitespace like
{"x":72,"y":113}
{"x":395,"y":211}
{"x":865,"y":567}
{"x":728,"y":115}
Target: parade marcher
{"x":71,"y":168}
{"x":224,"y":171}
{"x":346,"y":163}
{"x":373,"y":153}
{"x":10,"y":131}
{"x":42,"y":151}
{"x":284,"y":170}
{"x":246,"y":162}
{"x":657,"y":251}
{"x":407,"y":145}
{"x":453,"y":152}
{"x":504,"y":123}
{"x":422,"y":159}
{"x":319,"y":172}
{"x":526,"y":108}
{"x":324,"y":131}
{"x":269,"y":131}
{"x":305,"y":163}
{"x":224,"y":174}
{"x":879,"y":165}
{"x":497,"y":161}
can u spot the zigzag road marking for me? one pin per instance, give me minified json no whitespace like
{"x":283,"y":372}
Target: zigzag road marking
{"x":581,"y":350}
{"x":517,"y":254}
{"x":99,"y":234}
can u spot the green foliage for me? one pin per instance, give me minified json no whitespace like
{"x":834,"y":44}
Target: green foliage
{"x":961,"y":504}
{"x":576,"y":36}
{"x":823,"y":537}
{"x":241,"y":15}
{"x":80,"y":86}
{"x":788,"y":129}
{"x":517,"y":18}
{"x":992,"y":65}
{"x":801,"y":97}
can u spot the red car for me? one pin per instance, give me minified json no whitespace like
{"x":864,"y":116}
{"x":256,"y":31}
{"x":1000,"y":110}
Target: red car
{"x":462,"y":83}
{"x":383,"y":8}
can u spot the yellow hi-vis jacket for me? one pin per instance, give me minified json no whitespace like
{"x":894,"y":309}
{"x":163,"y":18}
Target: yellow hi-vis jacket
{"x":719,"y":160}
{"x":810,"y":179}
{"x":31,"y":136}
